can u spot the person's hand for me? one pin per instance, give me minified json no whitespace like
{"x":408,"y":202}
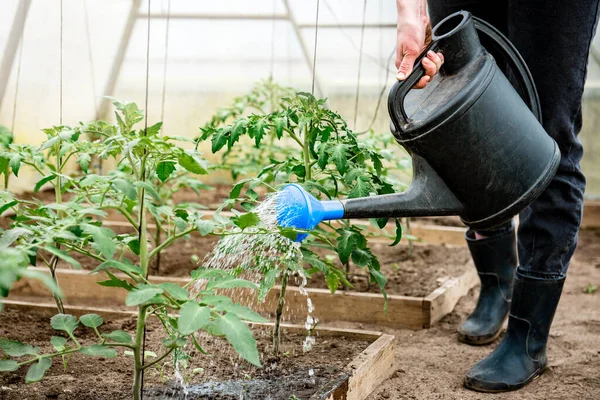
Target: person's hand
{"x":414,"y":34}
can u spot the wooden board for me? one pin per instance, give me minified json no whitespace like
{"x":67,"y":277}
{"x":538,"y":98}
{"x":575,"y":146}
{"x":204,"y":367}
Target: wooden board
{"x":363,"y":374}
{"x":591,"y":215}
{"x":81,"y":288}
{"x":443,"y":299}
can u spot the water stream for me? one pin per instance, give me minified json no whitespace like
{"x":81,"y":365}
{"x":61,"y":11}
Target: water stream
{"x":255,"y":251}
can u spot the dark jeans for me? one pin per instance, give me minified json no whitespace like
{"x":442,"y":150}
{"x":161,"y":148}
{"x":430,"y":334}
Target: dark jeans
{"x":554,"y":39}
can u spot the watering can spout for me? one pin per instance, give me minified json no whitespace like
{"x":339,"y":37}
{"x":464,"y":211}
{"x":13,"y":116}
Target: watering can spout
{"x":427,"y":196}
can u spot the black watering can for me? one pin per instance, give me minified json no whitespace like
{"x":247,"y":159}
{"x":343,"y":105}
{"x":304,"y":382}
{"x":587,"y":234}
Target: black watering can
{"x":478,"y":147}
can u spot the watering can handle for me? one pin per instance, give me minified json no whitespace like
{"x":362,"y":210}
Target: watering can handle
{"x":401,"y":88}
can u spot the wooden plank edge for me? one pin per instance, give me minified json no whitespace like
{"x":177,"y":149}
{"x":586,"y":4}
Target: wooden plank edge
{"x":357,"y":308}
{"x":371,"y":368}
{"x":443,"y":299}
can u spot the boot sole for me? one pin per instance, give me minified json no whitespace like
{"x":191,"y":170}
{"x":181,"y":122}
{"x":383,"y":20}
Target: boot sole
{"x":478,"y":340}
{"x":508,"y":388}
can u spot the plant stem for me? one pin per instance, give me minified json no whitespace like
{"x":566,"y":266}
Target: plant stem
{"x":159,"y":359}
{"x":276,"y":331}
{"x":157,"y":239}
{"x":138,"y":355}
{"x":306,"y":152}
{"x":54,"y":260}
{"x":170,"y":240}
{"x":57,"y":299}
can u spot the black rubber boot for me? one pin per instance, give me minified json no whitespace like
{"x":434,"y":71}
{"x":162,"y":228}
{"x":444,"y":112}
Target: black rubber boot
{"x":521,"y":355}
{"x":495,"y":259}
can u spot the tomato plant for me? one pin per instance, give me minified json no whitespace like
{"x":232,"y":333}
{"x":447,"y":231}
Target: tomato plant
{"x":146,"y":161}
{"x":303,"y":141}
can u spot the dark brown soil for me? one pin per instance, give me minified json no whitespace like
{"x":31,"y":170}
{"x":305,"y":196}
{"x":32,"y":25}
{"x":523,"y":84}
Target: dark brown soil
{"x":87,"y":378}
{"x":415,"y":272}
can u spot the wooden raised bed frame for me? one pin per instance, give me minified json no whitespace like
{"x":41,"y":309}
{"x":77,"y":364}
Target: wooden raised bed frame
{"x":365,"y":372}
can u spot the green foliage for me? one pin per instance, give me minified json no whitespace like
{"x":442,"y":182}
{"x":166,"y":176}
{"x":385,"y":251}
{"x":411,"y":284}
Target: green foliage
{"x":150,"y":168}
{"x":590,"y":289}
{"x":302,"y":141}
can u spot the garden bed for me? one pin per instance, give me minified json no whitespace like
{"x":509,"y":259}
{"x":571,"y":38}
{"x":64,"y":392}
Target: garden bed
{"x":342,"y":364}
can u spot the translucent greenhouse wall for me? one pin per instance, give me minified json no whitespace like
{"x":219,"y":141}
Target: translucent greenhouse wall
{"x":209,"y":61}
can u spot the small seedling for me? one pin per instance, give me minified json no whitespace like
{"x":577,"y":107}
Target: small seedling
{"x":590,"y":289}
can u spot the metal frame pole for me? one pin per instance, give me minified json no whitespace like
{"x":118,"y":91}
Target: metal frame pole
{"x":12,"y":44}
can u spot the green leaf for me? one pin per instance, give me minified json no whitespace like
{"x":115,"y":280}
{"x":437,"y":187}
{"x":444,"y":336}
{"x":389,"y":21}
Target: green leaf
{"x":42,"y":182}
{"x":234,"y":283}
{"x":174,"y":343}
{"x":238,"y":129}
{"x":164,"y":170}
{"x":37,"y":371}
{"x":381,"y":222}
{"x":134,"y":246}
{"x":59,"y":343}
{"x":149,"y":190}
{"x":245,"y":313}
{"x":175,"y":290}
{"x":219,"y":139}
{"x":84,"y":161}
{"x":240,"y":337}
{"x":191,"y":163}
{"x":17,"y":349}
{"x":125,"y":187}
{"x":192,"y":318}
{"x":9,"y":236}
{"x":142,"y":295}
{"x":259,"y":131}
{"x":398,"y":233}
{"x":204,"y":227}
{"x":98,"y":350}
{"x":102,"y":240}
{"x":361,"y":257}
{"x":15,"y":163}
{"x":91,"y":320}
{"x":154,"y":129}
{"x":346,"y":243}
{"x":3,"y":164}
{"x":118,"y":265}
{"x":362,"y":188}
{"x":119,"y":336}
{"x":339,"y":155}
{"x":113,"y":281}
{"x":8,"y":365}
{"x":377,"y":163}
{"x":279,"y":124}
{"x":64,"y":322}
{"x":267,"y":283}
{"x":247,"y":220}
{"x":62,"y":255}
{"x":8,"y":205}
{"x":378,"y":277}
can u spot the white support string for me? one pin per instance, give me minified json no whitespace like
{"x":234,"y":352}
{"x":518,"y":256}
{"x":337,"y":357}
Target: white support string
{"x":88,"y":36}
{"x":314,"y":69}
{"x":61,"y":62}
{"x":360,"y":56}
{"x":273,"y":39}
{"x":164,"y":87}
{"x":18,"y":77}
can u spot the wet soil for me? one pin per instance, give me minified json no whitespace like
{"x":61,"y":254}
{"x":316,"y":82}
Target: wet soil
{"x":86,"y":378}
